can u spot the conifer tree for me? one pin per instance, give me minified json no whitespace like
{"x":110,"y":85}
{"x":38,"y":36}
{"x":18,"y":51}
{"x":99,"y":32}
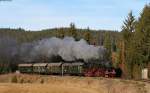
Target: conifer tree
{"x":127,"y":39}
{"x":108,"y":45}
{"x":142,"y":37}
{"x":73,"y":32}
{"x":87,"y":35}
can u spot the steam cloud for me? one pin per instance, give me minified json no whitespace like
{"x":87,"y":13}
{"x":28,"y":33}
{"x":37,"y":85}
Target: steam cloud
{"x":68,"y":49}
{"x":8,"y":47}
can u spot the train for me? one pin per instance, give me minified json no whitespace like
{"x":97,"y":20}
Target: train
{"x":75,"y":68}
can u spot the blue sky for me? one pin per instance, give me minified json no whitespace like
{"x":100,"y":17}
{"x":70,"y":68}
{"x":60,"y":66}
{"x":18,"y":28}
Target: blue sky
{"x":43,"y":14}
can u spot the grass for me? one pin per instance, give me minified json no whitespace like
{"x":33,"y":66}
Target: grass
{"x":58,"y":84}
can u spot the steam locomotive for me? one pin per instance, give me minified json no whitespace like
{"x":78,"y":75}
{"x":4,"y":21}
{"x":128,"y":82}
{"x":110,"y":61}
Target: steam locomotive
{"x":75,"y":68}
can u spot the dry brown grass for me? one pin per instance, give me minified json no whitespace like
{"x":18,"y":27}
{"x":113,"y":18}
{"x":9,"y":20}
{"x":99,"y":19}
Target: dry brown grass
{"x":58,"y":84}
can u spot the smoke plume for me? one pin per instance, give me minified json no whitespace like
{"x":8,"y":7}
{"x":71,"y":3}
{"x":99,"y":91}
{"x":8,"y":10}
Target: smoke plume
{"x":67,"y":49}
{"x":8,"y":48}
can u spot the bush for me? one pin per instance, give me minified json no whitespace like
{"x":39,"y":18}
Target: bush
{"x":42,"y":81}
{"x":22,"y":80}
{"x":29,"y":81}
{"x":14,"y":79}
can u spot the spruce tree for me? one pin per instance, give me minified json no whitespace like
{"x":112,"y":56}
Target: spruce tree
{"x":108,"y":45}
{"x":88,"y":35}
{"x":127,"y":45}
{"x":142,"y":37}
{"x":73,"y":32}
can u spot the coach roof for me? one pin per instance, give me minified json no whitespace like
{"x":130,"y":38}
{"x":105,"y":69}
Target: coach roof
{"x":40,"y":64}
{"x":24,"y":65}
{"x":54,"y":64}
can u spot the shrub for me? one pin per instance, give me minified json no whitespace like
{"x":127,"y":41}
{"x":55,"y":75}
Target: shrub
{"x":22,"y":80}
{"x":29,"y":81}
{"x":42,"y":81}
{"x":14,"y":79}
